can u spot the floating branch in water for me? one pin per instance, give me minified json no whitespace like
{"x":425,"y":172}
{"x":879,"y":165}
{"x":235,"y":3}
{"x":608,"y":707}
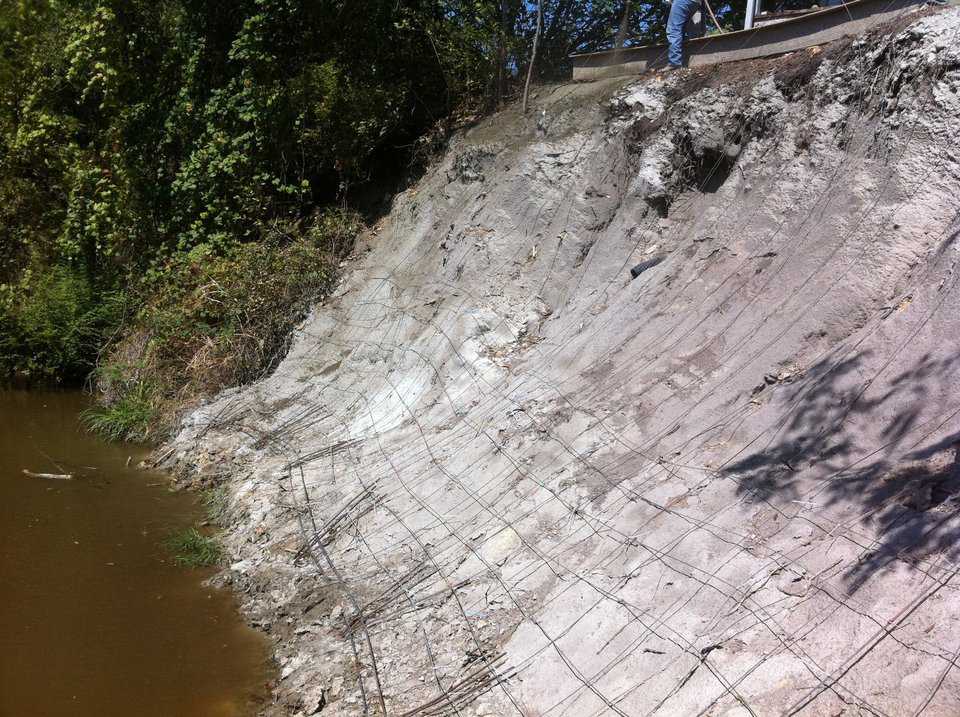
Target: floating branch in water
{"x":48,"y":476}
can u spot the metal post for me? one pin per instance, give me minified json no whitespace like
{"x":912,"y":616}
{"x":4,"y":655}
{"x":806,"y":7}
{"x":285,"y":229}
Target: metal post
{"x":751,"y":9}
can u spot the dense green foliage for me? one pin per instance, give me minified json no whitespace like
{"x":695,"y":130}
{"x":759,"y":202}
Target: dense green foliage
{"x":52,"y":323}
{"x":163,"y":161}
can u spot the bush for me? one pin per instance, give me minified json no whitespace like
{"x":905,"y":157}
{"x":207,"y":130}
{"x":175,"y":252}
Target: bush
{"x":53,"y":323}
{"x":208,"y":322}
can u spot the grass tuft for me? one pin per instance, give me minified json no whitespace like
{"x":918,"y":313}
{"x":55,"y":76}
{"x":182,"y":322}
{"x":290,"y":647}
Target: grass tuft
{"x":216,"y":502}
{"x":127,"y":419}
{"x":193,"y":549}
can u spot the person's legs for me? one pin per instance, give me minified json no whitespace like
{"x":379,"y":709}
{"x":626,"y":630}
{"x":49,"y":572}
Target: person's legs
{"x":680,"y":12}
{"x":675,"y":24}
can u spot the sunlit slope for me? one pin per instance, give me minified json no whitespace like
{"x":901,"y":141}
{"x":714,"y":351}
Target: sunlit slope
{"x":498,"y":474}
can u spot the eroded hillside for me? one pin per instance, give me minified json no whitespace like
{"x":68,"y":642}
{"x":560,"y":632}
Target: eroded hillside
{"x":498,"y":474}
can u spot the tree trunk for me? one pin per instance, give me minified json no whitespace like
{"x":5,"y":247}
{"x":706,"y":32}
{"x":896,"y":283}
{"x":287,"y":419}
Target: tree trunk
{"x":502,"y":52}
{"x":533,"y":57}
{"x":624,"y":27}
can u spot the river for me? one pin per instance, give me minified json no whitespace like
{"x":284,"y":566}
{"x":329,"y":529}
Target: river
{"x":96,"y":619}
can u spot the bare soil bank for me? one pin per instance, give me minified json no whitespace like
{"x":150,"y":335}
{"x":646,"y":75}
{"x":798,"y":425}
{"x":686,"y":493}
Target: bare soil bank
{"x":498,"y":475}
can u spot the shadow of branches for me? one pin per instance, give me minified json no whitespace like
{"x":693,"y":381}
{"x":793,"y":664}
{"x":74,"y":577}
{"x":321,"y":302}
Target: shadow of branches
{"x":849,"y":437}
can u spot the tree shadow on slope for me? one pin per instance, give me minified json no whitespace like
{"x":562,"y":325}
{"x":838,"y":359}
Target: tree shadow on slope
{"x":841,"y":443}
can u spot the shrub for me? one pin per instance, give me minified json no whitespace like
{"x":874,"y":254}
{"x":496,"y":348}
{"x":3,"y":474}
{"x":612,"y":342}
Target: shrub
{"x":53,"y":323}
{"x":210,"y":321}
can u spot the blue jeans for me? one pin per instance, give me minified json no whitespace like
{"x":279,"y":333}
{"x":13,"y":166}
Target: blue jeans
{"x":680,"y":12}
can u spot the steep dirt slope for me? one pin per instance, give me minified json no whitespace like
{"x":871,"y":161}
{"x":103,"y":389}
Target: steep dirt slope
{"x":499,"y":475}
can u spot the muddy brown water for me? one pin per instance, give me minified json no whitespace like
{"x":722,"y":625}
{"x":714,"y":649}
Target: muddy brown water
{"x":95,"y":616}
